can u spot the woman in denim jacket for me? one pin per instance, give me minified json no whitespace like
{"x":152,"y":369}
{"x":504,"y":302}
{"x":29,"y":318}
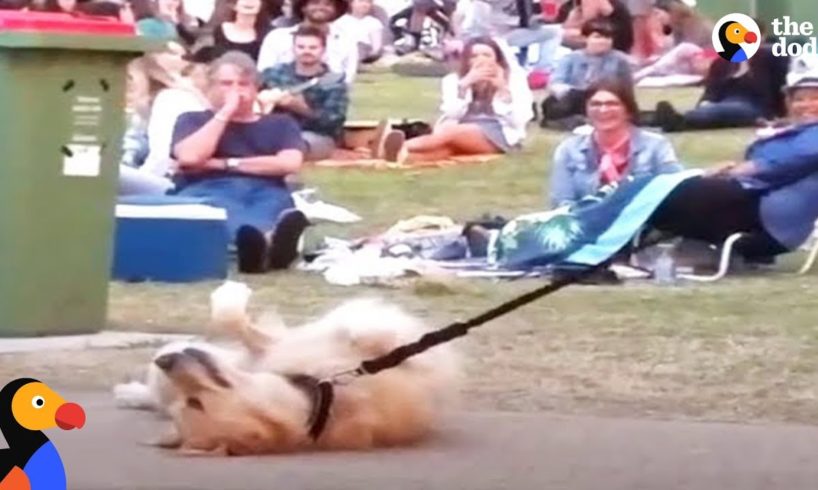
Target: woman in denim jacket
{"x":613,"y":150}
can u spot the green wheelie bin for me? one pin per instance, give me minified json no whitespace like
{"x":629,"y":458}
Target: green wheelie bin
{"x":62,"y":95}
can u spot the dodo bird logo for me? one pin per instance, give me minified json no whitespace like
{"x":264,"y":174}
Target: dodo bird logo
{"x":31,"y":462}
{"x":736,"y":37}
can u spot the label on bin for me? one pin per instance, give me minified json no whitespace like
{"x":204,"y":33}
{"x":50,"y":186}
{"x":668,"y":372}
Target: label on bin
{"x":82,"y":160}
{"x":82,"y":155}
{"x":86,"y":112}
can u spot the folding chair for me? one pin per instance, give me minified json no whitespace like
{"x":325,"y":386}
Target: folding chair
{"x":727,"y":250}
{"x":812,"y":246}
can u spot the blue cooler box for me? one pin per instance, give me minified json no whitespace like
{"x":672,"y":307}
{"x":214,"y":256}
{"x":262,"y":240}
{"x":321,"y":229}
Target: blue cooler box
{"x":169,"y":239}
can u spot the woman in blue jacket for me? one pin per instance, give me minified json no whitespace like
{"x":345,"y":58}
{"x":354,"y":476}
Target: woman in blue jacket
{"x":615,"y":148}
{"x":772,"y":196}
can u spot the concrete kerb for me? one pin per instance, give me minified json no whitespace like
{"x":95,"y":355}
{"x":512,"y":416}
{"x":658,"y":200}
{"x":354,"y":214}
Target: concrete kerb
{"x":101,"y":340}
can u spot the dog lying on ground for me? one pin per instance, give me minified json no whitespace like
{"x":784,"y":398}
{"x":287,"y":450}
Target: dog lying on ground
{"x":257,"y":397}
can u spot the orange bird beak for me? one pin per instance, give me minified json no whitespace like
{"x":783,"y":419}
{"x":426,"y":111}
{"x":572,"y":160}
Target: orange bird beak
{"x":70,"y":416}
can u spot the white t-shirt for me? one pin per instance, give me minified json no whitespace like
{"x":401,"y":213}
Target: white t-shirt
{"x":367,"y":30}
{"x":201,"y":9}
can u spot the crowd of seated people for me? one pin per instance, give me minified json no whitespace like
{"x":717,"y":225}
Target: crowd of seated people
{"x":247,"y":91}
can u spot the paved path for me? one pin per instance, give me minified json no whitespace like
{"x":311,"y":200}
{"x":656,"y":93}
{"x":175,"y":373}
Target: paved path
{"x":476,"y":451}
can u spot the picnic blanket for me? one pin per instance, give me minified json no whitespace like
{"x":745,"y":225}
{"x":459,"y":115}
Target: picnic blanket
{"x":361,"y":159}
{"x":585,"y":233}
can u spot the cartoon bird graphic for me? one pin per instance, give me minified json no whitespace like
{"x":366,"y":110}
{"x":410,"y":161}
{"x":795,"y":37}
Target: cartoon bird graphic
{"x":31,"y":461}
{"x":732,"y":35}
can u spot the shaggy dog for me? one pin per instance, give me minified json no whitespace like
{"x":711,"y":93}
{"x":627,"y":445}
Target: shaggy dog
{"x":258,"y":397}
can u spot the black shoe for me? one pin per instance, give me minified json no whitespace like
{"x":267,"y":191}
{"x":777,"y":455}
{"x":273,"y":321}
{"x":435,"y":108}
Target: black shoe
{"x":284,"y":245}
{"x":477,"y":240}
{"x":668,"y":118}
{"x":547,"y":110}
{"x":251,"y":247}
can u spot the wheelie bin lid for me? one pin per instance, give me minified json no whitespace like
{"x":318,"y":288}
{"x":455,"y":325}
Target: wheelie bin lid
{"x":53,"y":30}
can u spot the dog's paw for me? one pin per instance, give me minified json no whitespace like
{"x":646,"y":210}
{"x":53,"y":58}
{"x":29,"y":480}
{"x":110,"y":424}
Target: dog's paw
{"x":134,"y":395}
{"x":168,"y":440}
{"x":218,"y":451}
{"x":228,"y":304}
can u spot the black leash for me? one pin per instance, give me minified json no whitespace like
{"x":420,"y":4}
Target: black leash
{"x":324,"y":391}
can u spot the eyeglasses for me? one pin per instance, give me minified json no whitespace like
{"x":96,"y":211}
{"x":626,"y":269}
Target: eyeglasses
{"x":608,"y":104}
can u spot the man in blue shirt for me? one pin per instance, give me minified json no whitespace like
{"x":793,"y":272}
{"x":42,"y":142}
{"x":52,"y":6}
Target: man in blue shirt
{"x":238,"y":160}
{"x":772,"y":196}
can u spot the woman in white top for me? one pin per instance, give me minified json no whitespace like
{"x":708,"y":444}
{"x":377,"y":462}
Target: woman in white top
{"x":184,"y":92}
{"x":360,"y":24}
{"x":178,"y":87}
{"x":486,"y":106}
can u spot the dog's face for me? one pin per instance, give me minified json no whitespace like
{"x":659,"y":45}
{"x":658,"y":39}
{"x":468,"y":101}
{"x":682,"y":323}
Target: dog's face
{"x":224,"y":408}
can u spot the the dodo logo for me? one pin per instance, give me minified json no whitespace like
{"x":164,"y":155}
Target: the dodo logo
{"x":31,"y":462}
{"x":736,"y":37}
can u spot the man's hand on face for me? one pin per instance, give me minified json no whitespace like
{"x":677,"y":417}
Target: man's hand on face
{"x":232,"y":102}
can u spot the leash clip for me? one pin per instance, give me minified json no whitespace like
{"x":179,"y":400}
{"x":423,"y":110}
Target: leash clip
{"x":345,"y":377}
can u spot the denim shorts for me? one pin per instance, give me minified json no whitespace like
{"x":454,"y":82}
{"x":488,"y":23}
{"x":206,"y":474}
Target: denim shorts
{"x":491,"y":129}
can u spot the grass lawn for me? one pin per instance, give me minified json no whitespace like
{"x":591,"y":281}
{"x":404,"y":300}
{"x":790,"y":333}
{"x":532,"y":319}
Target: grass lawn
{"x":742,"y":349}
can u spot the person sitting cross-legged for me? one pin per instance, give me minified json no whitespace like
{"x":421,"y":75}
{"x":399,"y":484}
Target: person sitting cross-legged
{"x":321,"y":109}
{"x":577,"y":71}
{"x":238,"y":161}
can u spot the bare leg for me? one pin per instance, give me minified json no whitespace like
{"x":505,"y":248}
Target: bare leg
{"x":678,"y":60}
{"x":458,"y":139}
{"x":427,"y":143}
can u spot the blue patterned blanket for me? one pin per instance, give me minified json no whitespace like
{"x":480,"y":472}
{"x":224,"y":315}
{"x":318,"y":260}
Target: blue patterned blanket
{"x":587,"y":232}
